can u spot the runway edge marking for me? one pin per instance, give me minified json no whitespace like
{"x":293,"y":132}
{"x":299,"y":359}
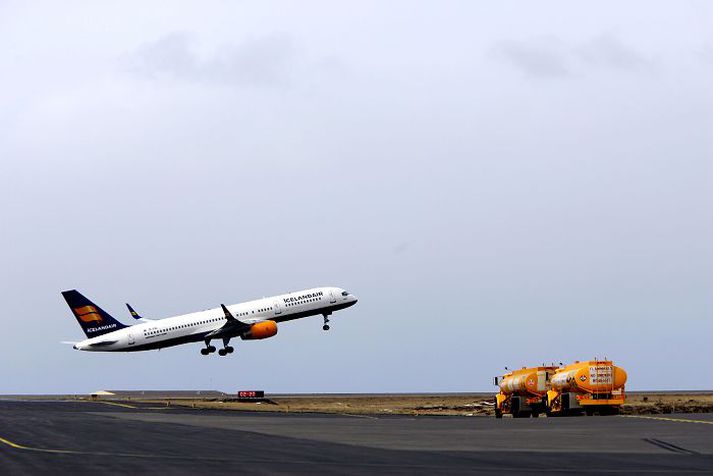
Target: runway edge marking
{"x":680,"y":420}
{"x":123,"y":405}
{"x":14,"y":445}
{"x":29,"y":448}
{"x":100,"y":453}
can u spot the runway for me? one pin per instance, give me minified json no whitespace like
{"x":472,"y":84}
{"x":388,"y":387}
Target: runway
{"x":91,"y":437}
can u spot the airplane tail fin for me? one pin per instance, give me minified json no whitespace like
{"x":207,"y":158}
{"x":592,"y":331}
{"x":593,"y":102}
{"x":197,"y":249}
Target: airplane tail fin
{"x":93,"y":320}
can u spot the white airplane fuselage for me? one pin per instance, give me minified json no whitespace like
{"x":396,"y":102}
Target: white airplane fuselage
{"x":196,"y":326}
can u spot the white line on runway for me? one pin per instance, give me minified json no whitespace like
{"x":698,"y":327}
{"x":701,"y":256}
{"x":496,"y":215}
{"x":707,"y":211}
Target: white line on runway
{"x":680,"y":420}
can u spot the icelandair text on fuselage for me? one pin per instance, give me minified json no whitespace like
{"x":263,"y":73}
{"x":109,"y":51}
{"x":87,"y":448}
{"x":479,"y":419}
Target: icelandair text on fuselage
{"x":304,"y":296}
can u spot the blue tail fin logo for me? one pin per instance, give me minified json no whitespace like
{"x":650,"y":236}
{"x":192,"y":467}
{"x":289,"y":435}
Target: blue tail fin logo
{"x":93,"y":320}
{"x":133,"y":313}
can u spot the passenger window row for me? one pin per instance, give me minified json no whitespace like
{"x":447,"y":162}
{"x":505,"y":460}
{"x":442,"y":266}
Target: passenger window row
{"x":302,"y":302}
{"x":182,"y":326}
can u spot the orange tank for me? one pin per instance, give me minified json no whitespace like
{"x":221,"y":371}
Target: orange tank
{"x":594,"y":376}
{"x":526,"y":381}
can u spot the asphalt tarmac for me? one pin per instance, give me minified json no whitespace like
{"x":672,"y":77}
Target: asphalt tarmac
{"x":109,"y":437}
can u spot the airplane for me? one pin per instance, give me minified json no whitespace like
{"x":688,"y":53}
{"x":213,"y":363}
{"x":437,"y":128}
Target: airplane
{"x":249,"y":321}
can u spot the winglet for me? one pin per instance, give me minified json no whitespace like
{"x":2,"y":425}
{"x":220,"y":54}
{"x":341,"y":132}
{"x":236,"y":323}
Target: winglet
{"x":133,"y":313}
{"x":228,"y":315}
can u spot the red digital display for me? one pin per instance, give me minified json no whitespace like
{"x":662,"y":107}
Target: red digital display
{"x":251,"y":394}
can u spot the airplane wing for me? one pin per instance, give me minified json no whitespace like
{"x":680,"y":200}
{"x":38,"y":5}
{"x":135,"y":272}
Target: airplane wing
{"x":228,"y":315}
{"x":231,"y":328}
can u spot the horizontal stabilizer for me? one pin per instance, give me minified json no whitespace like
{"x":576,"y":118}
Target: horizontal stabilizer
{"x":104,"y":342}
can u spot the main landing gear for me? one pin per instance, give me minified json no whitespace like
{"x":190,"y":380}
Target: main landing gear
{"x":209,"y":349}
{"x":325,"y":327}
{"x":226,"y":348}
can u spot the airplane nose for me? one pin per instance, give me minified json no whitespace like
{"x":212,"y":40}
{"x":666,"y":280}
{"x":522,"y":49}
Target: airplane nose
{"x":75,"y":347}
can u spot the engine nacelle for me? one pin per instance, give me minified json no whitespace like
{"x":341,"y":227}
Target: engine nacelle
{"x":260,"y":330}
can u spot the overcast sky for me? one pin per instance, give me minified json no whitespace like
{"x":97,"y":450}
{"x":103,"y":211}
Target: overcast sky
{"x":500,"y":183}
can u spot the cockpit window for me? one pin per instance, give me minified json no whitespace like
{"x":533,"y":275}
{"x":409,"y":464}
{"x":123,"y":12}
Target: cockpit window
{"x":344,"y":293}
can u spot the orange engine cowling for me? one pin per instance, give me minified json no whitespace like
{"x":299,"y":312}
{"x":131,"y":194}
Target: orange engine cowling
{"x":260,"y":330}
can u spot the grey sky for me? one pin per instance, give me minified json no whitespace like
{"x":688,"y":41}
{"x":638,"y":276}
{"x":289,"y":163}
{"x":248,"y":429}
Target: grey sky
{"x":500,"y":184}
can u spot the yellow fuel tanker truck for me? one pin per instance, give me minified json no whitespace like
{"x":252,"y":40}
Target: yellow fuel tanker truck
{"x":595,"y":386}
{"x":523,"y":392}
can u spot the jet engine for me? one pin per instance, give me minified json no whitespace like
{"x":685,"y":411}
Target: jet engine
{"x":260,"y":330}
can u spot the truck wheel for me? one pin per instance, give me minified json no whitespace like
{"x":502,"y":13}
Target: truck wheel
{"x":515,"y":407}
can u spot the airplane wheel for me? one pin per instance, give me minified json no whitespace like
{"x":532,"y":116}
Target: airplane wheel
{"x":229,"y":349}
{"x":325,"y":327}
{"x":211,"y":349}
{"x":222,"y":352}
{"x":204,"y":351}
